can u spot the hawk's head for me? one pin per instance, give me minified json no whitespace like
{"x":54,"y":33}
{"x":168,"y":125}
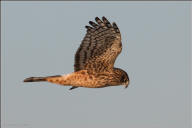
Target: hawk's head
{"x":123,"y":77}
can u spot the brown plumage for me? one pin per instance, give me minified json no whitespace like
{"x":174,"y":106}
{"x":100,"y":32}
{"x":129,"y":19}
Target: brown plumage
{"x":94,"y":59}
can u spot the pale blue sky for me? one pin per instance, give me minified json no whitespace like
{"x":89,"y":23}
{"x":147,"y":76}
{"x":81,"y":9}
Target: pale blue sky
{"x":41,"y":38}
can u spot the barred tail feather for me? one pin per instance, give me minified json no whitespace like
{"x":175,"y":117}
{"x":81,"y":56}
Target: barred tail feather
{"x":35,"y":79}
{"x":39,"y":79}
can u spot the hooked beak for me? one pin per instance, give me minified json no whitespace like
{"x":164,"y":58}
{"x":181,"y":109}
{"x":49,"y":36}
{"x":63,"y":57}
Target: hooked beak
{"x":126,"y":84}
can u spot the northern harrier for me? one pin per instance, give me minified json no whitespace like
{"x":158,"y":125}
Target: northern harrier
{"x":94,"y":59}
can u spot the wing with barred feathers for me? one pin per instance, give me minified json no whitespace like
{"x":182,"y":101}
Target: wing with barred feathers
{"x":100,"y":46}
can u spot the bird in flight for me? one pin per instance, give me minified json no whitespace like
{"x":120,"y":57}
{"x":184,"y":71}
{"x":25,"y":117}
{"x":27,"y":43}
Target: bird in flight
{"x":94,"y":59}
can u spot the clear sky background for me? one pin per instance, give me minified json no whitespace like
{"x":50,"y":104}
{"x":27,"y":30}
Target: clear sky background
{"x":41,"y":38}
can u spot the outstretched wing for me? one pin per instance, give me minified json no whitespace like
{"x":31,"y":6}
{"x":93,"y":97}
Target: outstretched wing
{"x":100,"y":47}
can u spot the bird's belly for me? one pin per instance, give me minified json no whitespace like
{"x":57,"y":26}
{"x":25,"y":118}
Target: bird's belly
{"x":87,"y":81}
{"x":81,"y":79}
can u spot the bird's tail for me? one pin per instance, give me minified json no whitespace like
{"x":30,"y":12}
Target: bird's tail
{"x":35,"y":79}
{"x":38,"y":79}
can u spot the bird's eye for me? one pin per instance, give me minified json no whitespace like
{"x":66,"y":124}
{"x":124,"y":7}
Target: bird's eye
{"x":123,"y":78}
